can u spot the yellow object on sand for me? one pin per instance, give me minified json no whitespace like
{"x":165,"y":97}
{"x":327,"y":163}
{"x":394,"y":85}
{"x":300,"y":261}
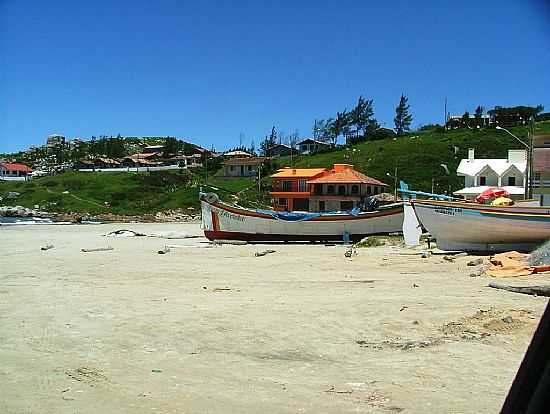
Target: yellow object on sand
{"x":502,"y":201}
{"x":509,"y":264}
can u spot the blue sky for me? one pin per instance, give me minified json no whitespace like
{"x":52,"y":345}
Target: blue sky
{"x":210,"y":71}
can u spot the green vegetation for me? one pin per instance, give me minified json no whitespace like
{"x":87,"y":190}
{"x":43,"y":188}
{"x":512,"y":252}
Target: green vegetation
{"x":124,"y":193}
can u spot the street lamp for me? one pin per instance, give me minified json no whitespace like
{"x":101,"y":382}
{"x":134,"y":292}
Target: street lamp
{"x":529,"y":167}
{"x":394,"y":185}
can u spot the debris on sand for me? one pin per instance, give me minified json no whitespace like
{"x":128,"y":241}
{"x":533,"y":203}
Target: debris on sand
{"x":233,"y":242}
{"x":98,"y":249}
{"x":476,"y":262}
{"x":541,"y":256}
{"x":47,"y":247}
{"x":164,"y":251}
{"x":124,"y":233}
{"x":264,"y":252}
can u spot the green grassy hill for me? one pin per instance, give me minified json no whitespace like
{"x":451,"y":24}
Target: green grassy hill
{"x":418,"y":156}
{"x":125,"y":193}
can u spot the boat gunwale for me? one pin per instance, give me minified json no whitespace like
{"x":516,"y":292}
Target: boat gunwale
{"x":365,"y":215}
{"x":485,"y":209}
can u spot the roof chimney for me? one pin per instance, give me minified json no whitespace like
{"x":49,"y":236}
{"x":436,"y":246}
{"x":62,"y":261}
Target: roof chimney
{"x":471,"y":154}
{"x":342,"y":167}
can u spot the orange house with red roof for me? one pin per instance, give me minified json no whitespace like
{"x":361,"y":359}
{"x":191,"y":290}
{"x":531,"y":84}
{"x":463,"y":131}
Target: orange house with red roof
{"x":321,"y":189}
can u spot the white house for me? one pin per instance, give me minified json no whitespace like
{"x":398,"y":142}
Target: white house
{"x":481,"y":174}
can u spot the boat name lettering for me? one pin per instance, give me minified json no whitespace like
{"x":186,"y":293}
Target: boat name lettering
{"x":231,"y":216}
{"x":450,"y":211}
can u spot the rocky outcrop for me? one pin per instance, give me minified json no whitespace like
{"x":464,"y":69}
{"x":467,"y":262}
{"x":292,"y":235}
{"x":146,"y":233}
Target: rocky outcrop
{"x":20,"y":211}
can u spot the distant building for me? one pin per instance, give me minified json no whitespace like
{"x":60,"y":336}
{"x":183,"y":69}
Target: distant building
{"x":149,"y":149}
{"x":310,"y":145}
{"x":14,"y":171}
{"x":541,"y":169}
{"x":142,"y":160}
{"x":281,"y":150}
{"x":321,"y":189}
{"x":55,"y":140}
{"x":242,"y":167}
{"x":482,"y":173}
{"x":185,"y":161}
{"x":458,"y":121}
{"x":97,"y":163}
{"x":237,"y":154}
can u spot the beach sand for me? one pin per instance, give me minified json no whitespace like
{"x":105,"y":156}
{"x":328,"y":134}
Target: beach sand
{"x":218,"y":330}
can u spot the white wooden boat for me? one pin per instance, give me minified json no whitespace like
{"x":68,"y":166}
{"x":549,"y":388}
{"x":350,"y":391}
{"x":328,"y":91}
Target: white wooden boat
{"x":222,"y":221}
{"x":476,"y":227}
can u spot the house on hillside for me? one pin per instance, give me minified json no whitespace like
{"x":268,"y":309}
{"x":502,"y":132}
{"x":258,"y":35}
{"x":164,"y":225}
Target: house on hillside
{"x":14,"y":171}
{"x":482,"y":173}
{"x":458,"y":121}
{"x":237,"y":154}
{"x":141,"y":160}
{"x":281,"y":150}
{"x":97,"y":163}
{"x":54,"y":140}
{"x":184,"y":161}
{"x":310,"y":145}
{"x":341,"y":188}
{"x":541,"y":169}
{"x":242,"y":167}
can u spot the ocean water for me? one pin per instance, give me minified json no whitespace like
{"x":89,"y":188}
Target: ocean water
{"x":23,"y":220}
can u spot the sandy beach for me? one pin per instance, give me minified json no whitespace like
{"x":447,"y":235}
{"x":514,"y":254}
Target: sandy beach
{"x":207,"y":329}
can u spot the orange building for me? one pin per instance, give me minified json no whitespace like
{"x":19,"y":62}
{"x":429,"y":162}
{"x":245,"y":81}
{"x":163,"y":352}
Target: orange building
{"x":322,"y":189}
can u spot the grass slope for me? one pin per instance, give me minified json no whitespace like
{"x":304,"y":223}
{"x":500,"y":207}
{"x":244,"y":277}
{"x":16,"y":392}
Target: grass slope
{"x":126,"y":193}
{"x":418,"y":156}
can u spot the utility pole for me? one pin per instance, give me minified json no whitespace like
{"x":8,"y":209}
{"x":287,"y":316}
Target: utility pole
{"x":259,"y":180}
{"x":445,"y":117}
{"x":395,"y":185}
{"x":531,"y":133}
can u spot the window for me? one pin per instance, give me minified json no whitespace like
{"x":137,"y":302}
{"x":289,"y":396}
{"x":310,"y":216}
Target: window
{"x":287,"y":185}
{"x":346,"y":205}
{"x":482,"y":180}
{"x":355,"y":189}
{"x":250,"y":168}
{"x":282,"y":202}
{"x":369,"y":190}
{"x":318,"y":189}
{"x":302,"y":185}
{"x":511,"y":180}
{"x":232,"y":168}
{"x":330,"y":189}
{"x":375,"y":189}
{"x":322,"y":206}
{"x":341,"y":190}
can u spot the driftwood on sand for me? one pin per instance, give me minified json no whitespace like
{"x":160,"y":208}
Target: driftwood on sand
{"x":98,"y":249}
{"x":527,"y":290}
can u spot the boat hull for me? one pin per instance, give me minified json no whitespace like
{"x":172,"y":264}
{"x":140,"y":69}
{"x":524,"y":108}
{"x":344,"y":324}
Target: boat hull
{"x":462,"y":226}
{"x":221,"y":221}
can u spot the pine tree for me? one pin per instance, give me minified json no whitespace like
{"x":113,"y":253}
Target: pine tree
{"x":402,"y":118}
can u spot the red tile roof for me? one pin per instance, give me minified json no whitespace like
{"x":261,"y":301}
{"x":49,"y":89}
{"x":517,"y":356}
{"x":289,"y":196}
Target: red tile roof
{"x":346,"y":175}
{"x":298,"y":172}
{"x":16,"y":167}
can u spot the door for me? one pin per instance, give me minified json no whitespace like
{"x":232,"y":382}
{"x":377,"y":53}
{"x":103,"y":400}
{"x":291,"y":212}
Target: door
{"x":242,"y":170}
{"x":301,"y":204}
